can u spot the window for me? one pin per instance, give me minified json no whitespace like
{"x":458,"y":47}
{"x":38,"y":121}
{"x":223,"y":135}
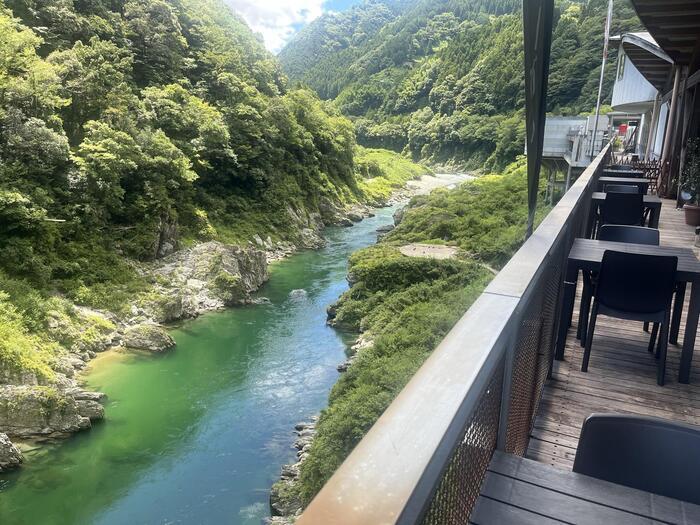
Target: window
{"x":621,"y":64}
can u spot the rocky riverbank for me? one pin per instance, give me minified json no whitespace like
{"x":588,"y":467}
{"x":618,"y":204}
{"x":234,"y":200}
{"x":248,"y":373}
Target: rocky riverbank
{"x":285,"y":504}
{"x":186,"y":283}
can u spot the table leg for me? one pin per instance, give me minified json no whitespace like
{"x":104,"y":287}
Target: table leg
{"x":567,"y":309}
{"x":677,"y":311}
{"x":691,"y":328}
{"x":654,"y":217}
{"x":592,"y":214}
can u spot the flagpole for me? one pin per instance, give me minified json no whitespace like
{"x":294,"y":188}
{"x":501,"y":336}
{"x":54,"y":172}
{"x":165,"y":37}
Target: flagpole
{"x":608,"y":22}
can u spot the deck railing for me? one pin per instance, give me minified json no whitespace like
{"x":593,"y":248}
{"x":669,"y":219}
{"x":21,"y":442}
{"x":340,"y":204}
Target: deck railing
{"x":424,"y":460}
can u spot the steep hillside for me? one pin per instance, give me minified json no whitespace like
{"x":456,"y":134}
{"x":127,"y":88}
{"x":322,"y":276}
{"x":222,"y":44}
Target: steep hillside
{"x":130,"y":129}
{"x":443,"y":81}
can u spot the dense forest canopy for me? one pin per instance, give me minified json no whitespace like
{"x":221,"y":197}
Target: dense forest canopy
{"x":126,"y":118}
{"x":129,"y":129}
{"x":443,"y":81}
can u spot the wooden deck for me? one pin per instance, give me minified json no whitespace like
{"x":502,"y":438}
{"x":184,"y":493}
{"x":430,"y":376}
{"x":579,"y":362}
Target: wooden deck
{"x":621,"y":375}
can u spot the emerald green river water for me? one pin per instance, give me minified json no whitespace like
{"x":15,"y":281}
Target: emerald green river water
{"x":198,"y":435}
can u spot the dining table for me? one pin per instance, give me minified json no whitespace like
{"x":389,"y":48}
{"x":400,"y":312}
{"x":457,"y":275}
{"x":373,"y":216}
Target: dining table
{"x":652,"y":204}
{"x":623,"y":172}
{"x":641,"y":183}
{"x":586,"y":255}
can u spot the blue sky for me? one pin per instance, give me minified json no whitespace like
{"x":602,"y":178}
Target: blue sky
{"x":279,"y":20}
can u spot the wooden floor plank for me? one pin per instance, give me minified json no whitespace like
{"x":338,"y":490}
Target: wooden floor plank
{"x":492,"y":512}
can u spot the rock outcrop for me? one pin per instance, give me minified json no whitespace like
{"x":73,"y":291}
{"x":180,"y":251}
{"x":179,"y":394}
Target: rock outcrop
{"x":32,"y":411}
{"x":148,"y":337}
{"x":335,"y":215}
{"x":285,"y":502}
{"x":363,"y":342}
{"x":10,"y":456}
{"x":209,"y":276}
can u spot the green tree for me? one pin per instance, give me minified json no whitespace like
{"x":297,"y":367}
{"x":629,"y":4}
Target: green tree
{"x":95,"y":76}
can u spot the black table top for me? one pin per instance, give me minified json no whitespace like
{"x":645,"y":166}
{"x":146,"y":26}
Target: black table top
{"x":525,"y":492}
{"x":649,"y":200}
{"x":629,"y":172}
{"x":588,"y":254}
{"x":623,"y":180}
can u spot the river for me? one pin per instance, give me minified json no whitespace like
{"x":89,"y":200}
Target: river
{"x":199,"y":434}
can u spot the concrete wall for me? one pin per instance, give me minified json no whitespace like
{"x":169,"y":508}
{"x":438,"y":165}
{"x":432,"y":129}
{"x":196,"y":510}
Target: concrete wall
{"x":556,"y":135}
{"x":632,"y":93}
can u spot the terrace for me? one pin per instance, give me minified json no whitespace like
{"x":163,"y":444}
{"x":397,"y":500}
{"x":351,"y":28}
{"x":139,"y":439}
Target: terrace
{"x":488,"y":429}
{"x":620,"y":378}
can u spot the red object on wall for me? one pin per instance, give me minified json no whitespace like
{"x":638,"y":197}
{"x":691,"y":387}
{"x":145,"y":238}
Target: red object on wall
{"x":623,"y":129}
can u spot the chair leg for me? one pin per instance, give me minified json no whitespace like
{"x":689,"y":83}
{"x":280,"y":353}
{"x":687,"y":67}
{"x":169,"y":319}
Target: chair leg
{"x":646,"y":326}
{"x":663,"y":348}
{"x":678,"y":301}
{"x":584,"y":312}
{"x":654,"y":335}
{"x":589,"y":337}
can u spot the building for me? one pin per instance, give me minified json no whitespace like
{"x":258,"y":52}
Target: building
{"x":637,"y":99}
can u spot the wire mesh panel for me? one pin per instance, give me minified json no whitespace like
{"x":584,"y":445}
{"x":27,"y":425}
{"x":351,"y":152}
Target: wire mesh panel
{"x":534,"y":351}
{"x":536,"y":341}
{"x":459,"y":487}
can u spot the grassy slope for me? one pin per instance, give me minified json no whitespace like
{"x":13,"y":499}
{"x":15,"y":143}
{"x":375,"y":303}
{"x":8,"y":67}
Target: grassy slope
{"x":407,"y":305}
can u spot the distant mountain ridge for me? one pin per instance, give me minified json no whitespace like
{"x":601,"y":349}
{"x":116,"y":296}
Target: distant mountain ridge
{"x":442,"y":80}
{"x":334,"y":32}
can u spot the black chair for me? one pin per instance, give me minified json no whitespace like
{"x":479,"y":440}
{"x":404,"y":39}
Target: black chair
{"x":621,"y":188}
{"x":623,"y":208}
{"x":615,"y":233}
{"x":630,"y":234}
{"x":626,"y":291}
{"x":643,"y":453}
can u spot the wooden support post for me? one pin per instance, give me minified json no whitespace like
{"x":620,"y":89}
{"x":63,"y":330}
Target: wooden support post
{"x":687,"y":117}
{"x":670,"y":132}
{"x":652,"y":128}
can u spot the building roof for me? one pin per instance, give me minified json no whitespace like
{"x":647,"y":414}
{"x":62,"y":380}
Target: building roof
{"x":674,"y":24}
{"x":646,"y":55}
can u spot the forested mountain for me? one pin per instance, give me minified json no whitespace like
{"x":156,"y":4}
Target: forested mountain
{"x":443,"y":81}
{"x":127,"y":119}
{"x":131,"y":128}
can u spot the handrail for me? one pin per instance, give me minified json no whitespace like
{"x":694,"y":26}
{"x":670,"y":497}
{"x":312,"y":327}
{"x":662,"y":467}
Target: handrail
{"x":458,"y":406}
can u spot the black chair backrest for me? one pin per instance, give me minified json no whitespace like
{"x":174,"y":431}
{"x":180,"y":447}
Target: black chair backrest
{"x":621,"y":188}
{"x":632,"y":282}
{"x":631,"y":234}
{"x":644,"y":453}
{"x":623,"y":208}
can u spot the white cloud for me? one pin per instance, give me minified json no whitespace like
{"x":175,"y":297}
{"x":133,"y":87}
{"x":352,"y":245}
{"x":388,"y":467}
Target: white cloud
{"x":277,"y":20}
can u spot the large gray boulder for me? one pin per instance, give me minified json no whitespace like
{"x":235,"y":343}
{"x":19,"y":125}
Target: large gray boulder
{"x":10,"y":456}
{"x":206,"y":277}
{"x":149,"y":337}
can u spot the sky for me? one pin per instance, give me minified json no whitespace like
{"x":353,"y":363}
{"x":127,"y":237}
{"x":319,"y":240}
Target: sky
{"x":279,"y":20}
